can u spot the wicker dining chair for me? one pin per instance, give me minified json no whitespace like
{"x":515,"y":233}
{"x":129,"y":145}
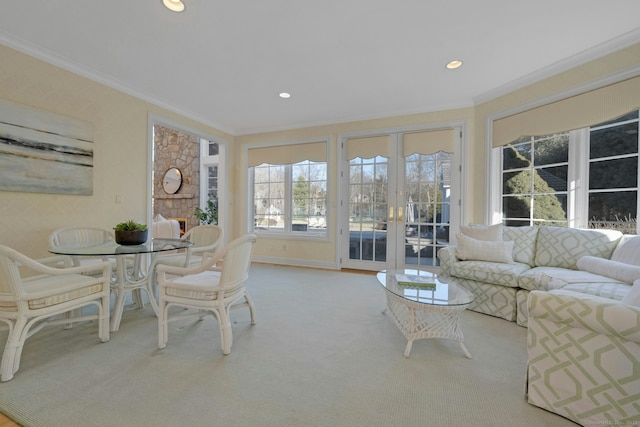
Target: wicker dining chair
{"x":32,"y":295}
{"x":79,"y":237}
{"x":214,"y":287}
{"x":205,"y":239}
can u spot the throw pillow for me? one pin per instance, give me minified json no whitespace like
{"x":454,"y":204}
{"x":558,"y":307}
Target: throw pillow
{"x":470,"y":249}
{"x":628,"y":250}
{"x":605,"y":267}
{"x":483,"y":232}
{"x":633,"y":297}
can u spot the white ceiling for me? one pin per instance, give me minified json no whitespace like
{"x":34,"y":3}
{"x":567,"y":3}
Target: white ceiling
{"x":223,"y":63}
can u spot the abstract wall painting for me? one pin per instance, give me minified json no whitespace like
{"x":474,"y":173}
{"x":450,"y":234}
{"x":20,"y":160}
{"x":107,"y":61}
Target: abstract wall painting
{"x":42,"y":152}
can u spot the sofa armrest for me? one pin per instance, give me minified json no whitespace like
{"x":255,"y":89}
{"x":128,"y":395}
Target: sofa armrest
{"x":587,"y":312}
{"x":447,"y":257}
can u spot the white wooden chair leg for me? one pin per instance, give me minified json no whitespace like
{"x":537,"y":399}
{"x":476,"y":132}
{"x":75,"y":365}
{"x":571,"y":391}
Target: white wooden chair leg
{"x":225,"y":330}
{"x":103,"y":320}
{"x":163,"y":328}
{"x":249,"y":300}
{"x":8,"y":364}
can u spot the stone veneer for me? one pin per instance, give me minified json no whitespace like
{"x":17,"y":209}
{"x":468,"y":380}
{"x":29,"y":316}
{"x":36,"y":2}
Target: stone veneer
{"x":173,"y":148}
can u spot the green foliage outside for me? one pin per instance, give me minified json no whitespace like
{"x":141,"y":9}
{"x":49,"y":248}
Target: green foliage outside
{"x":546,"y":206}
{"x":301,"y":195}
{"x":210,"y":213}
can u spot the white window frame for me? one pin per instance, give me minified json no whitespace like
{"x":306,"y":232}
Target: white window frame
{"x":287,"y":233}
{"x":577,"y":185}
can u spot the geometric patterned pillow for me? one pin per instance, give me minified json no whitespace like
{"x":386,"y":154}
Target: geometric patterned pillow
{"x":562,"y":247}
{"x":524,"y":239}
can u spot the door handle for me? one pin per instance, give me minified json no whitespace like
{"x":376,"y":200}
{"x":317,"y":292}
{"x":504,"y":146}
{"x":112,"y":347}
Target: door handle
{"x":400,"y":214}
{"x":391,"y":218}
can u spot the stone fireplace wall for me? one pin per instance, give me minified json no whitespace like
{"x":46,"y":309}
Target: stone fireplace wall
{"x":173,"y":148}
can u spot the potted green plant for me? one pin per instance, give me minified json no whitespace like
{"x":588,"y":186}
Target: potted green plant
{"x":210,"y":213}
{"x":131,"y":233}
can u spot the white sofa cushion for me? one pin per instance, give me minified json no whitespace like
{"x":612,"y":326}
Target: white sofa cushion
{"x":628,"y":250}
{"x":165,"y":229}
{"x":613,"y":290}
{"x":562,"y":247}
{"x":633,"y":297}
{"x":493,"y":273}
{"x":548,"y":278}
{"x":483,"y":250}
{"x":613,"y":269}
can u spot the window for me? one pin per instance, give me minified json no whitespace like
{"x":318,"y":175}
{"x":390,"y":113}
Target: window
{"x":289,"y":189}
{"x":584,"y":178}
{"x":211,"y":172}
{"x":613,"y":174}
{"x":534,"y":180}
{"x":290,"y":198}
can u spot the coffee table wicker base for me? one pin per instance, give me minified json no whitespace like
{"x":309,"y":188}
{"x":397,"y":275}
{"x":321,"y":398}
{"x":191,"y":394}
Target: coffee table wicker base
{"x":419,"y":321}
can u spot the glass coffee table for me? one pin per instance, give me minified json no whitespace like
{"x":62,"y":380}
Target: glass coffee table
{"x":423,"y":305}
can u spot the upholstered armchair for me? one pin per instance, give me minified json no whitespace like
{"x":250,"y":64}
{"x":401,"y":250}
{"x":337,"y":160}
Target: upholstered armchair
{"x":584,"y":357}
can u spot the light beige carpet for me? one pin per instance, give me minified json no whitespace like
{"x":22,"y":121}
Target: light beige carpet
{"x":321,"y":354}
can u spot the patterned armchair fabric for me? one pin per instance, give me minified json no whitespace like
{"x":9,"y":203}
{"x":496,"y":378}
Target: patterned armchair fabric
{"x":584,"y":357}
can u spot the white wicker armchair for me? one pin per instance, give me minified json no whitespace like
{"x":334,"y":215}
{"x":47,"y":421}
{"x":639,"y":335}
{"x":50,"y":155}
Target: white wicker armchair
{"x":33,"y":294}
{"x":205,"y":239}
{"x":214,"y":287}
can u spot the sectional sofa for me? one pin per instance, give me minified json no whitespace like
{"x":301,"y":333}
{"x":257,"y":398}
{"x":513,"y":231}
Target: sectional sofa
{"x":578,"y":292}
{"x":502,"y":265}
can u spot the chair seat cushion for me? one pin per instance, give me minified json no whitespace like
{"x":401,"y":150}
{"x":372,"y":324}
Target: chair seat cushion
{"x":40,"y":284}
{"x":202,"y":286}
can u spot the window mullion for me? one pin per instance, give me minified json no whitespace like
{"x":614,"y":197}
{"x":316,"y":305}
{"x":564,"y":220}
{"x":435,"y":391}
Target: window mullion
{"x":288,"y":197}
{"x":578,"y":200}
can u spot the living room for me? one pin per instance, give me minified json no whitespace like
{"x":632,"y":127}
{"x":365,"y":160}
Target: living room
{"x":122,"y":124}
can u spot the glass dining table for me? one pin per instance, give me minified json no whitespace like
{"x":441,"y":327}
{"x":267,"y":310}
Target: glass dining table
{"x":131,"y":272}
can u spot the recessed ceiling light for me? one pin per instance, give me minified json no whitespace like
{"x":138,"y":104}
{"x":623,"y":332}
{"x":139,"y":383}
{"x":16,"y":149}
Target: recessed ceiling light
{"x":284,"y":95}
{"x":174,"y":5}
{"x":454,"y":64}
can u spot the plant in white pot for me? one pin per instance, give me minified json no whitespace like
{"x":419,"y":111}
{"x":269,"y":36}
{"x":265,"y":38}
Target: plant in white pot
{"x":131,"y":233}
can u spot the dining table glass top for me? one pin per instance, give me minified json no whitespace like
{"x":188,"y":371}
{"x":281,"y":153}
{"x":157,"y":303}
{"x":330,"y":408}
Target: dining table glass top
{"x":110,"y":247}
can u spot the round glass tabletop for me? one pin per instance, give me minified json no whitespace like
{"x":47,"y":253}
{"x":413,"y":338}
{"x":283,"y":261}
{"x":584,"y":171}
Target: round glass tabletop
{"x":110,"y":247}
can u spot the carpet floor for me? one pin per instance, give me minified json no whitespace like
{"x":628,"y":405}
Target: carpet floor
{"x":321,"y":354}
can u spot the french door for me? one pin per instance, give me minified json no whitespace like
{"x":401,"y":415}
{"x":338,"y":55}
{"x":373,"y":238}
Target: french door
{"x":398,"y":188}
